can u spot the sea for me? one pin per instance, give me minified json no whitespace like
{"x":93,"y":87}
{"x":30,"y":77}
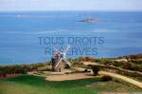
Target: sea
{"x":28,"y":37}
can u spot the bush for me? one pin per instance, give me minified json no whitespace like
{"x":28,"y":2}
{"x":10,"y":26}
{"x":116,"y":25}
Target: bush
{"x":106,"y":78}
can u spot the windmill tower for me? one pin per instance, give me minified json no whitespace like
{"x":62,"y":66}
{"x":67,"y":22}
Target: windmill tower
{"x":59,"y":61}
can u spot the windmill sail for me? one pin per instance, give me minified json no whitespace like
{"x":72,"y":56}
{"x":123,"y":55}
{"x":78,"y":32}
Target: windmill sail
{"x":58,"y":63}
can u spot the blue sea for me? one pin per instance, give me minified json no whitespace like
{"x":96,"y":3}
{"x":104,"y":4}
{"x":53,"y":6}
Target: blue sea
{"x":20,"y":32}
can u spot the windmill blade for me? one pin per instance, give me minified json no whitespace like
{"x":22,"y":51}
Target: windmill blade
{"x":67,"y":62}
{"x":56,"y":50}
{"x":58,"y":63}
{"x":65,"y":51}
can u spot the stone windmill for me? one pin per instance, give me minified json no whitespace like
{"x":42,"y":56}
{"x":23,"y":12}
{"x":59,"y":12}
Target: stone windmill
{"x":59,"y":61}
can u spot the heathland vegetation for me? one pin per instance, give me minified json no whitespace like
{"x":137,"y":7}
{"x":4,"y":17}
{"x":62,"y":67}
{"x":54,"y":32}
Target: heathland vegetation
{"x":131,"y":62}
{"x":15,"y":80}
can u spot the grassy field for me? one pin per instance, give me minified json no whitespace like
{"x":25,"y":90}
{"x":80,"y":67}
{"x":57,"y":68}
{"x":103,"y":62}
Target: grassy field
{"x":37,"y":85}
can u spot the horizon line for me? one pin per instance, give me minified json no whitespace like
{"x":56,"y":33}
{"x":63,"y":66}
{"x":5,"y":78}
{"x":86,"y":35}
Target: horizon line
{"x":73,"y":11}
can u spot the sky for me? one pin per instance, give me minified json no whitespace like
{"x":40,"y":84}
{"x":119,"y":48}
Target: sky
{"x":64,"y":5}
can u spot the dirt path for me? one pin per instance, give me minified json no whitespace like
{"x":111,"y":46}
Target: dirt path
{"x":75,"y":76}
{"x":117,"y":76}
{"x":126,"y":71}
{"x":120,"y":77}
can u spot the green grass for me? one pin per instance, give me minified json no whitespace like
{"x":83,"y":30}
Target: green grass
{"x":37,"y":85}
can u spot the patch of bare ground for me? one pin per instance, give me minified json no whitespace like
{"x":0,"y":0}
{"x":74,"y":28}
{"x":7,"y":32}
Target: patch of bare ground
{"x":74,"y":76}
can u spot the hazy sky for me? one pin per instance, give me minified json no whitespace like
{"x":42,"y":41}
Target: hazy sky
{"x":44,"y":5}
